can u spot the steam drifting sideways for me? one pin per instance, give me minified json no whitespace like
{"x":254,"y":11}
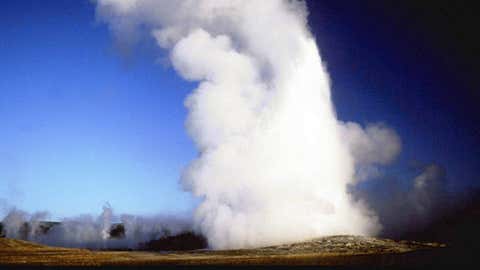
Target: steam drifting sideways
{"x":274,"y":162}
{"x":106,"y":231}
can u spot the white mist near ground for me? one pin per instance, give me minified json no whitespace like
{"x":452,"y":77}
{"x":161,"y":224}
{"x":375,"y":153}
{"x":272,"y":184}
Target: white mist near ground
{"x":88,"y":231}
{"x":274,"y":162}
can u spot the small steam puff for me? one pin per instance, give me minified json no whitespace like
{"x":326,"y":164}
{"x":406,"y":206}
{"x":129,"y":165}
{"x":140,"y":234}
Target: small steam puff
{"x":274,"y":161}
{"x":86,"y":231}
{"x":370,"y":147}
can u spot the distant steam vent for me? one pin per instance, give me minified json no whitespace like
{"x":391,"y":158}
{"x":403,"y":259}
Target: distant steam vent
{"x":28,"y":230}
{"x":32,"y":230}
{"x":42,"y":231}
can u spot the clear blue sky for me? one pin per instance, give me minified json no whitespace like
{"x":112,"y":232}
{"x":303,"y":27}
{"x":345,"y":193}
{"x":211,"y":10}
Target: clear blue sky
{"x":81,"y":124}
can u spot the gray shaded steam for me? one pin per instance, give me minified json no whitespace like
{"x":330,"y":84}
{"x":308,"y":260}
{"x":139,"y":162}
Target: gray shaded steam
{"x":405,"y":205}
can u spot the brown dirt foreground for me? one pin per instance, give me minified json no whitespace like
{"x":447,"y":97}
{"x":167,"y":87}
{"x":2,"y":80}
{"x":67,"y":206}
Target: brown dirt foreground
{"x":326,"y":251}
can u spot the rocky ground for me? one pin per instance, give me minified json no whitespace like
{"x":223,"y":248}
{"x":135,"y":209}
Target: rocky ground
{"x":349,"y":244}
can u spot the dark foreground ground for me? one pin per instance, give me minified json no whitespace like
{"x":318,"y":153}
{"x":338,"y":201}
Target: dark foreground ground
{"x":327,"y":251}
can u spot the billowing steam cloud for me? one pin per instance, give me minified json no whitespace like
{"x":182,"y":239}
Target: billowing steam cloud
{"x":274,"y":161}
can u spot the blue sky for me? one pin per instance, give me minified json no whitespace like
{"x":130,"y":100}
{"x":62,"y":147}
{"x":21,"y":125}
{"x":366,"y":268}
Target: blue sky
{"x":409,"y":67}
{"x":82,"y":124}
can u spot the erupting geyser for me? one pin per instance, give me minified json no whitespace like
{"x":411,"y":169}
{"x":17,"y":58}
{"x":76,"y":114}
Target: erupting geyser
{"x":274,"y":161}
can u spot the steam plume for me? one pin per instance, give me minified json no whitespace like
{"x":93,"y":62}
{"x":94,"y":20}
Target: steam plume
{"x":274,"y":162}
